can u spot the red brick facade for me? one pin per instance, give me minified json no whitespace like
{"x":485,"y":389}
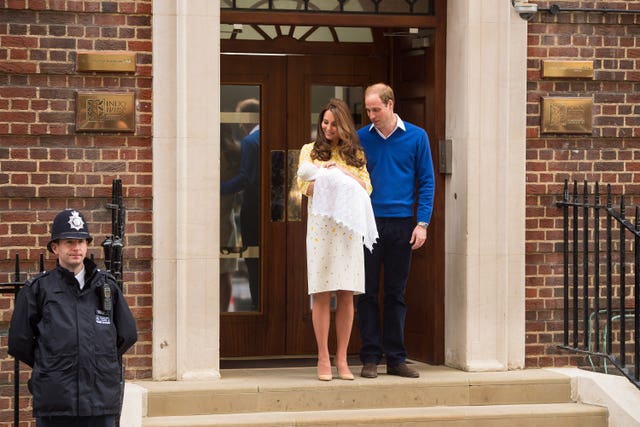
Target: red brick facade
{"x":46,"y":165}
{"x":609,"y":155}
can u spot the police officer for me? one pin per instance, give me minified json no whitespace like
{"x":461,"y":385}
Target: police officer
{"x":72,"y":325}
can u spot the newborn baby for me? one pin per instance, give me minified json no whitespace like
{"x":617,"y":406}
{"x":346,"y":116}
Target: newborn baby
{"x":340,"y":197}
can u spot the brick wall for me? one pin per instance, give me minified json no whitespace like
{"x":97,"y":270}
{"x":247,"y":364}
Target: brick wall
{"x":46,"y":165}
{"x":609,"y":154}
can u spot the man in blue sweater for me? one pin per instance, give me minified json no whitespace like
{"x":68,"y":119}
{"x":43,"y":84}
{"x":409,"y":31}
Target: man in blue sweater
{"x":401,"y":169}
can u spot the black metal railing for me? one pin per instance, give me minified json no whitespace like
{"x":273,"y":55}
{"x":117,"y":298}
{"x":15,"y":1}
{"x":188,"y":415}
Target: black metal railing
{"x":113,"y":244}
{"x":599,"y":306}
{"x":12,"y":287}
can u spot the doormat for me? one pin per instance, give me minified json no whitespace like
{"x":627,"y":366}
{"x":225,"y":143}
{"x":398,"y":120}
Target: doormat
{"x":276,"y":362}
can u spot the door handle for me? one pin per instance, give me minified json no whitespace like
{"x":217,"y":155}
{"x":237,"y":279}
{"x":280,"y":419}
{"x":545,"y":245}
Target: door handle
{"x":283,"y":186}
{"x":294,"y":197}
{"x":277,"y":186}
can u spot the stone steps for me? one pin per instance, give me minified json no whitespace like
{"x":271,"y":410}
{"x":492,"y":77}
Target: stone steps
{"x":535,"y":415}
{"x":440,"y":397}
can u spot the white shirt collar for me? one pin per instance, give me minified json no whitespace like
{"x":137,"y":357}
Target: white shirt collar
{"x":80,"y":277}
{"x":399,"y":124}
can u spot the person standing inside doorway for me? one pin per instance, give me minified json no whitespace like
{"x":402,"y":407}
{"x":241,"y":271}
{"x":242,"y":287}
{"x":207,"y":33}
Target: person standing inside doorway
{"x":247,"y":181}
{"x":229,"y":164}
{"x":72,"y":325}
{"x":332,"y":173}
{"x":401,"y":169}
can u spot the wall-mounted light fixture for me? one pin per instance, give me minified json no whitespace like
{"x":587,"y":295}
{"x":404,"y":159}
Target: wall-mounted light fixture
{"x":525,"y":9}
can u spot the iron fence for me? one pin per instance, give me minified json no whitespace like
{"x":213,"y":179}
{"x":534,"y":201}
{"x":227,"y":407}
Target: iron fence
{"x":601,"y":284}
{"x":12,"y":287}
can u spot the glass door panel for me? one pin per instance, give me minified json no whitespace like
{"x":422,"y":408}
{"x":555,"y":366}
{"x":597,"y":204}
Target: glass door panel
{"x":253,"y":279}
{"x":240,"y":198}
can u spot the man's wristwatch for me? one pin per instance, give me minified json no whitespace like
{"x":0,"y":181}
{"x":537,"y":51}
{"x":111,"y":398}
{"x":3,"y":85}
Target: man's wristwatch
{"x":423,"y":224}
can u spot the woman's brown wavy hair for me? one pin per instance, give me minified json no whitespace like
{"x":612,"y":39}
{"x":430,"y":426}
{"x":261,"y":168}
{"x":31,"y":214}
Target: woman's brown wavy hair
{"x":349,"y":144}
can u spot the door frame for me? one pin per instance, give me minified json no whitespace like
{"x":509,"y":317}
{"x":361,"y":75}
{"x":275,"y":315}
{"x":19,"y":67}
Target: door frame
{"x":186,"y":92}
{"x":428,"y":347}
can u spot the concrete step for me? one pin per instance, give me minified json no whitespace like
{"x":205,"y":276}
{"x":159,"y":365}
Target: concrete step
{"x":297,"y":389}
{"x":530,"y":415}
{"x":440,"y":397}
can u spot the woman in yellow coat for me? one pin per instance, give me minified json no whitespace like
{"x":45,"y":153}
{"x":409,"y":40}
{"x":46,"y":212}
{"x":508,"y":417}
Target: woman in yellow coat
{"x":335,"y":257}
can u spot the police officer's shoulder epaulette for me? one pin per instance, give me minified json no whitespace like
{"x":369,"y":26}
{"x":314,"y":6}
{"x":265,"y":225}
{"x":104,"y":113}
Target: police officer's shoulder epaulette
{"x":35,"y":278}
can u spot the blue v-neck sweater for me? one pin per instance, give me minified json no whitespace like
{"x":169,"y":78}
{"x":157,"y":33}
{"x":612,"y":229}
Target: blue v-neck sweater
{"x":398,"y":166}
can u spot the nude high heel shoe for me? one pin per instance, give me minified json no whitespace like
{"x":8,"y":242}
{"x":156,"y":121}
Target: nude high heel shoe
{"x":345,"y":374}
{"x":324,"y":376}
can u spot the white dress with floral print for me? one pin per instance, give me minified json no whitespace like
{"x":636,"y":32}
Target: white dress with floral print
{"x":335,"y":257}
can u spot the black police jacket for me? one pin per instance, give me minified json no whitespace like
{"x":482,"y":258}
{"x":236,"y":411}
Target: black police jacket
{"x":72,"y":343}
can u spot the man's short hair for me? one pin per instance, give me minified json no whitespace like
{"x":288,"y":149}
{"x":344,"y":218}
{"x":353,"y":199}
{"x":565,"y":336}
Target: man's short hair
{"x":250,"y":105}
{"x":383,"y":90}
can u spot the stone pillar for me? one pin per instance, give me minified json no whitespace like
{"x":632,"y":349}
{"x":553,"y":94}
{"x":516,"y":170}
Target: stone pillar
{"x":485,"y":194}
{"x":186,"y":93}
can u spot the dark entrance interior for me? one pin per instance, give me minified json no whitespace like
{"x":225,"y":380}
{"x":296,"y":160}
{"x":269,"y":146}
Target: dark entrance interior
{"x":290,"y":77}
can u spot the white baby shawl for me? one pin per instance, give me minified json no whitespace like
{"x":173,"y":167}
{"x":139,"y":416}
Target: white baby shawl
{"x":341,"y":198}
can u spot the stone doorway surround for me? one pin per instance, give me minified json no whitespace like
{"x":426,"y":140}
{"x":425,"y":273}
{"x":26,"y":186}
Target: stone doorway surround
{"x":485,"y":194}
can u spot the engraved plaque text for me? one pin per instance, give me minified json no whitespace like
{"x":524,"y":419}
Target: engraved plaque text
{"x":566,"y":115}
{"x":105,"y":111}
{"x":106,"y":61}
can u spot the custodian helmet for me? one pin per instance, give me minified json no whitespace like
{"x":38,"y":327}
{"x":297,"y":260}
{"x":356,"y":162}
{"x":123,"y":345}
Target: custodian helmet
{"x":69,"y":224}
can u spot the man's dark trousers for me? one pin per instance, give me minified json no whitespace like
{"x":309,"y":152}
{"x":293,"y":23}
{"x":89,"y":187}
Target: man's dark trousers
{"x":393,"y":251}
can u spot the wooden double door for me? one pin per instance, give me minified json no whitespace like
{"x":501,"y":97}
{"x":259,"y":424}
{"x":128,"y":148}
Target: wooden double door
{"x":273,"y":317}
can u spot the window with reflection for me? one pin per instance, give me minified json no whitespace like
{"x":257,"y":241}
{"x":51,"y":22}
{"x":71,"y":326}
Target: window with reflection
{"x":239,"y":198}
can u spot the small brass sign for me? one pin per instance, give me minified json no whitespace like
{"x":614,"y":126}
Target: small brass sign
{"x":566,"y":115}
{"x":556,"y":68}
{"x":105,"y":111}
{"x":106,"y":61}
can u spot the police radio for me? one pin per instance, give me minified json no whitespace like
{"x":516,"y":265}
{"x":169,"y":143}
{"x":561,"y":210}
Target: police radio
{"x":106,"y":298}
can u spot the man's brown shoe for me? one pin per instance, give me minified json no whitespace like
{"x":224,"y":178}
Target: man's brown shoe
{"x":369,"y":370}
{"x":402,"y":370}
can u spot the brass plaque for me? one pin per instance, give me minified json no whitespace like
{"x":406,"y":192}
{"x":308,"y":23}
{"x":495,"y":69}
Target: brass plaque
{"x":106,"y":61}
{"x":556,"y":68}
{"x":105,"y":111}
{"x":566,"y":115}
